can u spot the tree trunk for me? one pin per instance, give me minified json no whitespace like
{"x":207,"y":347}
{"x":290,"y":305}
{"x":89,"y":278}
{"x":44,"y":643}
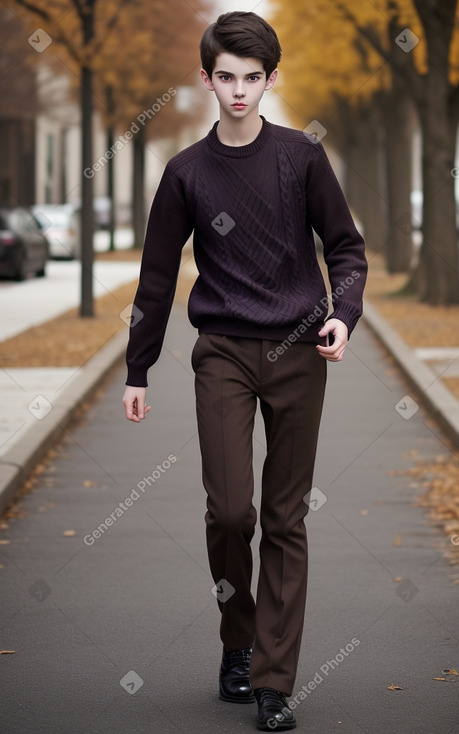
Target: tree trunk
{"x":364,"y":184}
{"x":374,"y":204}
{"x":438,"y":265}
{"x":397,"y":115}
{"x":438,"y":272}
{"x":138,"y":189}
{"x":63,"y":185}
{"x":111,"y":189}
{"x":87,"y":211}
{"x":110,"y":168}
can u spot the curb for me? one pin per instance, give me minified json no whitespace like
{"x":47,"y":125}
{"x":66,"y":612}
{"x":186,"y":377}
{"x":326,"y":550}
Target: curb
{"x":17,"y":463}
{"x":441,"y":403}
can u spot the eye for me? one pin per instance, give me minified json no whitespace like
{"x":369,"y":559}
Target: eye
{"x":254,"y":78}
{"x":224,"y":77}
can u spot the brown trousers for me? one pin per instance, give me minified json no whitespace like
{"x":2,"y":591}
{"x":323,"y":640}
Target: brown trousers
{"x":231,"y":373}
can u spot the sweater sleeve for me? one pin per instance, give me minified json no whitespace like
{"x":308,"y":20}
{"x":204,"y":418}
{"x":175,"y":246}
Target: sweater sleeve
{"x":169,"y":227}
{"x":344,"y":247}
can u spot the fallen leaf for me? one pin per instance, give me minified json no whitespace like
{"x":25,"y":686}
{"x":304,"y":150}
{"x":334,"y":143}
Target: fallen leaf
{"x":397,"y":579}
{"x":69,"y":533}
{"x":398,"y":541}
{"x":394,"y":688}
{"x":4,"y":526}
{"x":4,"y":541}
{"x":438,"y":678}
{"x":7,"y":652}
{"x":364,"y":512}
{"x":89,"y":483}
{"x":453,"y":671}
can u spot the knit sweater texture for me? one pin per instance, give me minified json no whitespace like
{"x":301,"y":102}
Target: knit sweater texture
{"x":252,"y":210}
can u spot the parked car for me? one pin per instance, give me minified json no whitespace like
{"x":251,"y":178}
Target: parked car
{"x":24,"y":248}
{"x":60,"y":223}
{"x":102,"y":210}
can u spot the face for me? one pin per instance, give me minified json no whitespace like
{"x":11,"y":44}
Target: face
{"x":239,"y":83}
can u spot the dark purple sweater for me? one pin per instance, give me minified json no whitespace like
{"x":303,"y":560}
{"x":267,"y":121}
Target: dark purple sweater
{"x":252,"y":209}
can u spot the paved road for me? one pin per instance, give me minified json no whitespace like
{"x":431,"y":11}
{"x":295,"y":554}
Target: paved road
{"x":120,"y":633}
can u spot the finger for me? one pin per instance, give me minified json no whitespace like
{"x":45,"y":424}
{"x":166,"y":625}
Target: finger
{"x":323,"y":351}
{"x":338,"y":356}
{"x":131,"y":412}
{"x":333,"y":354}
{"x":142,"y":409}
{"x":139,"y":409}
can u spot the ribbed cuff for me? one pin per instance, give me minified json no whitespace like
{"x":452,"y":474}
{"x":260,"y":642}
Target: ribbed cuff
{"x":348,"y":313}
{"x":136,"y":377}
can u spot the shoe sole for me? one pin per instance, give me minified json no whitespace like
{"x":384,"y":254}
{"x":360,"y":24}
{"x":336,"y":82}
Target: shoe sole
{"x":279,"y":727}
{"x":236,"y":699}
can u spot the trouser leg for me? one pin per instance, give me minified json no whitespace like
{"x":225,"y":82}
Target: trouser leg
{"x":225,"y":406}
{"x":230,"y":374}
{"x":291,"y":403}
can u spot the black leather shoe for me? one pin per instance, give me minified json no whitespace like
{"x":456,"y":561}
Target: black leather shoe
{"x":273,"y":711}
{"x":234,"y":676}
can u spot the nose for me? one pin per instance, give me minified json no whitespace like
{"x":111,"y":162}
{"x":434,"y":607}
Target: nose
{"x":239,"y":89}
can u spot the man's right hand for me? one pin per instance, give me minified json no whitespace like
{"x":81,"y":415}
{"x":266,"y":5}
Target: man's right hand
{"x":134,"y":403}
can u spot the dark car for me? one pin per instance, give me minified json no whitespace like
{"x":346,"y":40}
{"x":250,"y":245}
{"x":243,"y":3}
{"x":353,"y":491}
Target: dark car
{"x":23,"y":247}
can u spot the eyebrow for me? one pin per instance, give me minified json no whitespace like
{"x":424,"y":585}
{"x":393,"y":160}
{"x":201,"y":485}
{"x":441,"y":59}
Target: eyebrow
{"x":229,"y":73}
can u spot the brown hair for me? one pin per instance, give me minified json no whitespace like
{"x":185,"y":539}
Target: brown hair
{"x":242,"y":34}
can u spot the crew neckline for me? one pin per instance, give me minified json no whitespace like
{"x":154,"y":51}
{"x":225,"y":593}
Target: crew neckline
{"x":240,"y":151}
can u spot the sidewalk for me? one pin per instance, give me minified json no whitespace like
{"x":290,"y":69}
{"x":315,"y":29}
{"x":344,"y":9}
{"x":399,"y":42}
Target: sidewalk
{"x":116,"y":630}
{"x":63,"y":286}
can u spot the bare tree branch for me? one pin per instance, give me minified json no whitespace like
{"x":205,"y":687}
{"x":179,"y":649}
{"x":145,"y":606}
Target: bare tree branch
{"x":110,"y":26}
{"x":34,"y":9}
{"x":404,"y":67}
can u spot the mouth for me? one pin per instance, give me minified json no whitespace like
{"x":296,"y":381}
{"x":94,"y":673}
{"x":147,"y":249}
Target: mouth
{"x":239,"y":106}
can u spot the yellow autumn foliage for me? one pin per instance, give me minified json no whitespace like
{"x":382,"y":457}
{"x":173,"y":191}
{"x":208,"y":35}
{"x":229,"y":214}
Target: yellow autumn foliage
{"x":327,"y":55}
{"x":139,"y":49}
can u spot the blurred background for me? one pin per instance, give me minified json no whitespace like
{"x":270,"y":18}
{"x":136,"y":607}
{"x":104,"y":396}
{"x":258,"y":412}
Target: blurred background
{"x":97,"y":95}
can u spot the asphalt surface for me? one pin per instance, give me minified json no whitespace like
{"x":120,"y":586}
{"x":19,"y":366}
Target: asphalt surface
{"x":117,"y":631}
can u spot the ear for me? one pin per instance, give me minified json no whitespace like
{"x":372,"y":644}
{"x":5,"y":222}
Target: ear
{"x":206,"y":80}
{"x":271,"y":80}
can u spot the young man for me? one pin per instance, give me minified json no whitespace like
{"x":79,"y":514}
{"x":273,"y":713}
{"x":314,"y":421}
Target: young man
{"x":252,"y":192}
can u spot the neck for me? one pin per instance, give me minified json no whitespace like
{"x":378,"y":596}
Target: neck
{"x":239,"y":132}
